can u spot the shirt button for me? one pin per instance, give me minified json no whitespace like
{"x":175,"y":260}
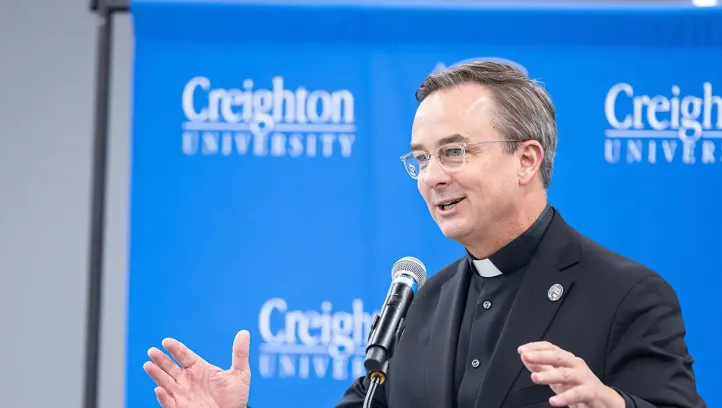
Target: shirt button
{"x":487,"y":305}
{"x":475,"y":363}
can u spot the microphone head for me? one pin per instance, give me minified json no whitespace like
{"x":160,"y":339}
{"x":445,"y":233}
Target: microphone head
{"x":410,"y":266}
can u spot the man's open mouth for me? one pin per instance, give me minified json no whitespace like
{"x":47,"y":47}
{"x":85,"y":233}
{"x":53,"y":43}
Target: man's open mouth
{"x":447,"y":205}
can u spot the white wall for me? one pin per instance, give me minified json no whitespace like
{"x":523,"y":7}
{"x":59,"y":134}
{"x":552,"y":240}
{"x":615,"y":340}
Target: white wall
{"x":47,"y":73}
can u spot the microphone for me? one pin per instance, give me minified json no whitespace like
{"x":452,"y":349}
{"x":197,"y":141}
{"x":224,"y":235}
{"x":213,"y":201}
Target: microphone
{"x":407,"y":274}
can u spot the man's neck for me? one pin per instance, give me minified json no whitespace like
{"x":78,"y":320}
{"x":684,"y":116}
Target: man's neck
{"x":506,"y":231}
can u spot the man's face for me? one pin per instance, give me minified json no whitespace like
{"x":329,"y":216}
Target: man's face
{"x":488,"y":182}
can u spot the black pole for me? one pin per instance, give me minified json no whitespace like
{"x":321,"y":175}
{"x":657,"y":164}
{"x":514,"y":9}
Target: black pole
{"x":97,"y":220}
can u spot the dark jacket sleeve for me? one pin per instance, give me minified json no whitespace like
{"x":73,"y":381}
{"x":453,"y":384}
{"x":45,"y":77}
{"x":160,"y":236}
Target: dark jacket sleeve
{"x":648,"y":361}
{"x":356,"y":394}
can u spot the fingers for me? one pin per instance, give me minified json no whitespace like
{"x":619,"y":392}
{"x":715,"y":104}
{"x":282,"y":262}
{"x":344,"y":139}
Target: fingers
{"x":544,"y":360}
{"x":575,"y":395}
{"x":165,"y":363}
{"x":241,"y":346}
{"x":561,"y":375}
{"x":567,"y":375}
{"x":164,"y":399}
{"x":537,"y":346}
{"x":555,"y":358}
{"x":535,"y":368}
{"x":159,"y":376}
{"x":185,"y":356}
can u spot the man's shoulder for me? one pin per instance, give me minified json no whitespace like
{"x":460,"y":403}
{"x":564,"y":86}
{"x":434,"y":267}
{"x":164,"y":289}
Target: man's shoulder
{"x":591,"y":260}
{"x":616,"y":284}
{"x":612,"y":265}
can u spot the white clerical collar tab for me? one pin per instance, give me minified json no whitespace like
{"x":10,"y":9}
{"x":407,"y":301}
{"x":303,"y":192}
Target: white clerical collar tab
{"x":485,"y":268}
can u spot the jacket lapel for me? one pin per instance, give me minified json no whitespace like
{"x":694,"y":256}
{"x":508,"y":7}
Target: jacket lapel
{"x":532,"y":312}
{"x":444,"y":339}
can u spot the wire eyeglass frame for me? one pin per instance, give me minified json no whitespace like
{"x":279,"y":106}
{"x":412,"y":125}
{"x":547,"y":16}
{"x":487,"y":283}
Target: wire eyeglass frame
{"x":414,"y":170}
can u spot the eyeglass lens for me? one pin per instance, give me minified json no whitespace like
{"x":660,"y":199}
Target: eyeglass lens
{"x":450,"y":156}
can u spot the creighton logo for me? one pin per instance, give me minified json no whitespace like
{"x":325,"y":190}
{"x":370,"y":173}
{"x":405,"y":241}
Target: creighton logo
{"x":678,"y":126}
{"x":275,"y":122}
{"x":313,"y":343}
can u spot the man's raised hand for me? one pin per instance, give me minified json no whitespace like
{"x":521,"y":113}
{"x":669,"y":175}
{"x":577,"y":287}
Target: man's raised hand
{"x":197,"y":384}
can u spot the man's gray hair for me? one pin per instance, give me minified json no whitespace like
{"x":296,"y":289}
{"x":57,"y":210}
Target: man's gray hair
{"x":523,"y":109}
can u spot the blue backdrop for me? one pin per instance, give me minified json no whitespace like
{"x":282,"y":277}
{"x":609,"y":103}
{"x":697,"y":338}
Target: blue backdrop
{"x":268,"y":194}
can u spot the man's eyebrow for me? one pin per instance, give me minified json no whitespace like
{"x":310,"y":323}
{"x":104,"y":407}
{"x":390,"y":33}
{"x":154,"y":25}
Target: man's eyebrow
{"x":452,"y":138}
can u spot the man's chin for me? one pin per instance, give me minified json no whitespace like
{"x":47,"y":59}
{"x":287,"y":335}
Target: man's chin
{"x":455,"y":229}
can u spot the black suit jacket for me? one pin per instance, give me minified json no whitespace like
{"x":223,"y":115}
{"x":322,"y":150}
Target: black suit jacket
{"x":623,"y":319}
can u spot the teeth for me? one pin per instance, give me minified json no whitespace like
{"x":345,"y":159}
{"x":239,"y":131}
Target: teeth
{"x":449,"y":205}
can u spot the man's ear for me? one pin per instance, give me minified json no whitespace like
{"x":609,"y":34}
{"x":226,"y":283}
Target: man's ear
{"x":531,"y":155}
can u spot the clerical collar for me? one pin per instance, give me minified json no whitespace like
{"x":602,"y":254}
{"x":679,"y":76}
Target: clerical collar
{"x":517,"y":253}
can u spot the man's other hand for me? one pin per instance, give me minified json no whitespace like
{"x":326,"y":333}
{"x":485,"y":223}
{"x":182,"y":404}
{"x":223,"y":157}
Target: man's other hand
{"x":568,"y":376}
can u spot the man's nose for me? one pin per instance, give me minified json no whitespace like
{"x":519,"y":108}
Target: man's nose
{"x":434,"y":174}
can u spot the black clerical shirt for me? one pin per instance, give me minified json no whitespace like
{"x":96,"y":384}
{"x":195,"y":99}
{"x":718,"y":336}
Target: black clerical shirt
{"x":492,"y":289}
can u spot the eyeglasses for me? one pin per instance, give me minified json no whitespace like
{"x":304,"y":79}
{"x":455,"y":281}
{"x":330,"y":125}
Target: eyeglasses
{"x":451,"y":156}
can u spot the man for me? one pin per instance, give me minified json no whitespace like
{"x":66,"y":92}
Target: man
{"x":534,"y":315}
